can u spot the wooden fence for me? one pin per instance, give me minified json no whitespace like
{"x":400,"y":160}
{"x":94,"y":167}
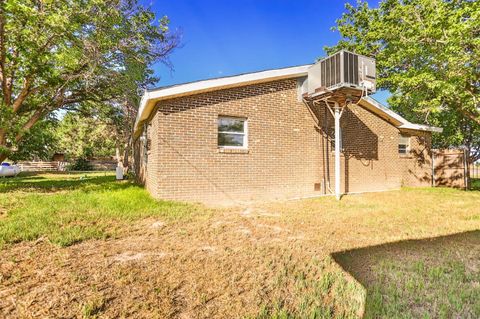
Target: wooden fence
{"x":42,"y":166}
{"x":103,"y":165}
{"x":474,"y":171}
{"x":449,"y":168}
{"x":54,"y":166}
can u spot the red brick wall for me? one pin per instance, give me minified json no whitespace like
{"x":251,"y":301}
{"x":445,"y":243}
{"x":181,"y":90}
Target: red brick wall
{"x":283,"y":154}
{"x":146,"y":160}
{"x":370,"y":160}
{"x":417,"y":166}
{"x":287,"y":154}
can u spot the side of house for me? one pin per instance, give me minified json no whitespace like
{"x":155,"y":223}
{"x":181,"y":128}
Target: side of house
{"x":260,"y":141}
{"x":376,"y":154}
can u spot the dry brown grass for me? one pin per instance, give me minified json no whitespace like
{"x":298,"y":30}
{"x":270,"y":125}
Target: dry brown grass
{"x":261,"y":261}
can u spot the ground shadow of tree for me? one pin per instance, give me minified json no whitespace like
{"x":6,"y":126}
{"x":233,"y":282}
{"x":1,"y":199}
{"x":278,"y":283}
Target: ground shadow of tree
{"x":434,"y":277}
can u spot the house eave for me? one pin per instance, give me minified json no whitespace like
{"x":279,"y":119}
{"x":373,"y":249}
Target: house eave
{"x":420,"y":127}
{"x":152,"y":97}
{"x":400,"y":122}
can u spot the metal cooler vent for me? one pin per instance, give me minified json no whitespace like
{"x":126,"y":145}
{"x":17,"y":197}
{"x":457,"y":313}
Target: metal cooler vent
{"x":342,"y":69}
{"x":350,"y":69}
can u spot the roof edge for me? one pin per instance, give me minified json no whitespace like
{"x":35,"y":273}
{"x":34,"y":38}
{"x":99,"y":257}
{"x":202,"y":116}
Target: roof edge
{"x":151,"y":97}
{"x":399,"y":121}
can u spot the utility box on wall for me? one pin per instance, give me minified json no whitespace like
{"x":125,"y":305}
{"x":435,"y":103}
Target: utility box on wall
{"x":342,"y":69}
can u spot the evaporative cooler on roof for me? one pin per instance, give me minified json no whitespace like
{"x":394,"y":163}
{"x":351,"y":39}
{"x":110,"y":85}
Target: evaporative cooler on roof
{"x":342,"y":69}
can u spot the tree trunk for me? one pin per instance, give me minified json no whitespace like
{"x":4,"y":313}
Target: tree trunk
{"x":117,"y":154}
{"x":3,"y":145}
{"x":126,"y":153}
{"x":466,"y":164}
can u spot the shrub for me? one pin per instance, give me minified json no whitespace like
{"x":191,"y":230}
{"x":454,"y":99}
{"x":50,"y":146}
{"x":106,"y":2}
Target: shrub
{"x":81,"y":164}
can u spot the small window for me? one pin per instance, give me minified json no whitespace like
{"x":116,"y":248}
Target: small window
{"x":232,"y":132}
{"x":403,"y":144}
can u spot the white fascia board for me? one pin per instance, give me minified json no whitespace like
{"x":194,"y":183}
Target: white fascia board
{"x":405,"y":124}
{"x":420,"y":127}
{"x":385,"y":110}
{"x":150,"y":98}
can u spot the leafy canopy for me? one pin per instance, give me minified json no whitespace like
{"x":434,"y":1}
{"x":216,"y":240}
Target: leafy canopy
{"x":428,"y":57}
{"x":84,"y":137}
{"x":57,"y":54}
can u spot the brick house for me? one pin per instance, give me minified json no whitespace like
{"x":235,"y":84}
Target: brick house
{"x":252,"y":137}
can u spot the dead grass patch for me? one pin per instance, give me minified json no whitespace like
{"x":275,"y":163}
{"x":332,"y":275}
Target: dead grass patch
{"x":263,"y":261}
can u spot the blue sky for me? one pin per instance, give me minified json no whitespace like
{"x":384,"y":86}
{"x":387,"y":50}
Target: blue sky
{"x":221,"y":38}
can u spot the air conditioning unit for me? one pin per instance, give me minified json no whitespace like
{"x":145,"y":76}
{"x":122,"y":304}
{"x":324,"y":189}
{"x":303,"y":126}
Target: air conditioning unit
{"x":342,"y":70}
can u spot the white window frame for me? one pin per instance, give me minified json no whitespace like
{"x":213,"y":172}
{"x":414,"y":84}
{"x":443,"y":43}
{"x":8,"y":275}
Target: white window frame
{"x":407,"y":150}
{"x":245,"y":132}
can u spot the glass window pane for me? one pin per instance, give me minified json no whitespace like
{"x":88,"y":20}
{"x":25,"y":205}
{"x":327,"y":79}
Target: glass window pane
{"x":231,"y":125}
{"x":403,"y":144}
{"x":226,"y":139}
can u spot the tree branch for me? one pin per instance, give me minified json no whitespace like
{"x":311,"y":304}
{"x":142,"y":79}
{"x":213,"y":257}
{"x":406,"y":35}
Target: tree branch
{"x":30,"y":123}
{"x":3,"y":55}
{"x":471,"y":116}
{"x":2,"y":136}
{"x":17,"y":104}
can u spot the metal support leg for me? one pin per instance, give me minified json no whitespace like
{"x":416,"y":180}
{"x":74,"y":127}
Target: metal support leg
{"x":337,"y":114}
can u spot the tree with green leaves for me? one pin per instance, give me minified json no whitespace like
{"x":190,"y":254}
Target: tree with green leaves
{"x":428,"y":57}
{"x":39,"y":143}
{"x":60,"y":54}
{"x":81,"y":136}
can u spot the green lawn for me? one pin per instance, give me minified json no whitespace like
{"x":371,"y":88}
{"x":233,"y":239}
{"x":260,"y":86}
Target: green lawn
{"x":74,"y":207}
{"x":85,"y":245}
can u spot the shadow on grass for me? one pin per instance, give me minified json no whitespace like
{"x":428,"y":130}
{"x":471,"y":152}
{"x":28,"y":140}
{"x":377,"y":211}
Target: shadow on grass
{"x":428,"y":278}
{"x":40,"y":182}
